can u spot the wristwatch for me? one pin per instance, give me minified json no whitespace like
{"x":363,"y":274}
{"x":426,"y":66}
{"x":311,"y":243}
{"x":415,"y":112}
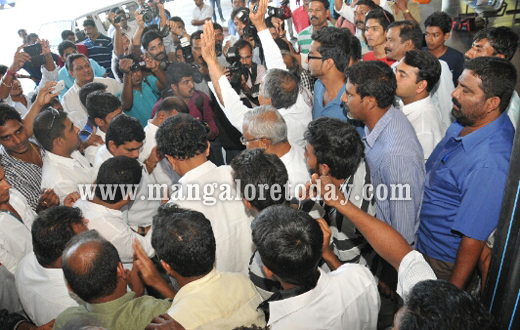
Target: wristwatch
{"x":407,"y":11}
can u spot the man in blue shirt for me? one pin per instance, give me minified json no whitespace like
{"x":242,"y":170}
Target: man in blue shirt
{"x":99,"y":46}
{"x":467,"y":171}
{"x":393,"y":152}
{"x":65,"y":48}
{"x":139,"y":93}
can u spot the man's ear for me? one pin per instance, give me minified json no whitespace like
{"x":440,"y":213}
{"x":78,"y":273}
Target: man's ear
{"x":501,"y":56}
{"x":447,"y":36}
{"x":409,"y":45}
{"x":323,"y":169}
{"x":70,"y":289}
{"x":58,"y":142}
{"x":166,"y":267}
{"x":493,"y":103}
{"x":121,"y":271}
{"x":269,"y":273}
{"x":421,"y":86}
{"x":174,"y":88}
{"x":111,"y":146}
{"x":208,"y":149}
{"x":71,"y":74}
{"x":370,"y":102}
{"x":172,"y":161}
{"x":161,"y":116}
{"x":247,"y":204}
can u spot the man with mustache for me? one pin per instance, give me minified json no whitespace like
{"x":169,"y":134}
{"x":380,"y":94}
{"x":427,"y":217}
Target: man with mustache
{"x":99,"y":46}
{"x":467,"y":172}
{"x":139,"y":93}
{"x":319,"y":15}
{"x":499,"y":42}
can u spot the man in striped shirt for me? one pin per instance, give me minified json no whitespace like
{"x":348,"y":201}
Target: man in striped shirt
{"x":99,"y":46}
{"x":319,"y":16}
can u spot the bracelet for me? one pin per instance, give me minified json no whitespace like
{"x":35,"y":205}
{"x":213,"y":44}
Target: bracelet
{"x":11,"y":74}
{"x":8,"y":86}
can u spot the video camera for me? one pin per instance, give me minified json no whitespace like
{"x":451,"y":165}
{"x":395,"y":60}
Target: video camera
{"x":275,"y":12}
{"x":237,"y":70}
{"x":121,"y":17}
{"x":188,"y":58}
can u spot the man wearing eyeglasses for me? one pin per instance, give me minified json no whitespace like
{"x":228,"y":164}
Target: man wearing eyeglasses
{"x":64,"y":167}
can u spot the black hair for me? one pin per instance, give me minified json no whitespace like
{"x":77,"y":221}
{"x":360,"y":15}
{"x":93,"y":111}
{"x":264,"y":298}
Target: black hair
{"x":438,"y":304}
{"x":355,"y":49}
{"x":48,"y":126}
{"x":21,"y":30}
{"x":498,"y":77}
{"x":410,"y":30}
{"x":51,"y":231}
{"x":3,"y":69}
{"x":289,"y":242}
{"x":175,"y":72}
{"x":337,"y":144}
{"x":265,"y":172}
{"x":90,"y":266}
{"x":282,"y":44}
{"x":369,"y":3}
{"x":149,"y":37}
{"x":177,"y":19}
{"x":32,"y":35}
{"x":383,"y":17}
{"x":184,"y":240}
{"x":241,"y":43}
{"x":72,"y":58}
{"x":217,"y":26}
{"x":88,"y":88}
{"x":100,"y":104}
{"x":124,"y":128}
{"x":119,"y":173}
{"x":374,"y":78}
{"x":335,"y":44}
{"x":195,"y":36}
{"x":182,"y":137}
{"x":503,"y":40}
{"x":89,"y":22}
{"x":325,"y":3}
{"x":7,"y":113}
{"x":245,"y":15}
{"x":428,"y":65}
{"x":65,"y":44}
{"x":66,"y":33}
{"x":439,"y":19}
{"x":173,"y":103}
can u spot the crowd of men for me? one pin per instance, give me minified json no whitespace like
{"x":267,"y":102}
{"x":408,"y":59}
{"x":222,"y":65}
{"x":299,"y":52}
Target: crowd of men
{"x":349,"y":179}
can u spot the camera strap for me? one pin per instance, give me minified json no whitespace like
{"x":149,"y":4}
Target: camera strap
{"x":254,"y":72}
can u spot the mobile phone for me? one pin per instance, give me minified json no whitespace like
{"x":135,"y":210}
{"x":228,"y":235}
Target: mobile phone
{"x":59,"y":86}
{"x":255,"y":8}
{"x":33,"y":50}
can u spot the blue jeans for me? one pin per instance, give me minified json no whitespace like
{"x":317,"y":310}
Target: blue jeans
{"x":219,"y":10}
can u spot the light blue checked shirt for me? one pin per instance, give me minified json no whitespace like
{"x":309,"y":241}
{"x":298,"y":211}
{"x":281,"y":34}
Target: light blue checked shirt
{"x":395,"y":157}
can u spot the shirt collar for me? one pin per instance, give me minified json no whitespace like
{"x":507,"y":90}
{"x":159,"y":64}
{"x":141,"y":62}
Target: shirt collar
{"x":281,"y":308}
{"x":471,"y":140}
{"x":197,"y":172}
{"x":109,"y":307}
{"x":416,"y":106}
{"x":197,"y":285}
{"x":371,"y":136}
{"x":68,"y":162}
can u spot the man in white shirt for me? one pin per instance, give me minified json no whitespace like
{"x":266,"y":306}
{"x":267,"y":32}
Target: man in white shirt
{"x":64,"y":167}
{"x":279,"y":88}
{"x":117,"y":182}
{"x":264,"y":127}
{"x":39,"y":278}
{"x":183,"y":140}
{"x":416,"y":75}
{"x":207,"y":299}
{"x":102,"y":107}
{"x":290,"y":243}
{"x":201,"y":14}
{"x":80,"y":69}
{"x":403,"y":36}
{"x":16,"y":218}
{"x":163,"y":172}
{"x":124,"y":137}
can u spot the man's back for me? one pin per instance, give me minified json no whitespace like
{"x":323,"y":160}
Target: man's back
{"x":227,"y":214}
{"x":43,"y":291}
{"x":217,"y":301}
{"x":396,"y":159}
{"x":344,"y":299}
{"x":126,"y":312}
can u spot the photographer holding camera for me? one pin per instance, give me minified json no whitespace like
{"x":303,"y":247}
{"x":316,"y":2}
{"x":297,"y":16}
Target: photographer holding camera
{"x":245,"y":75}
{"x":279,"y":88}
